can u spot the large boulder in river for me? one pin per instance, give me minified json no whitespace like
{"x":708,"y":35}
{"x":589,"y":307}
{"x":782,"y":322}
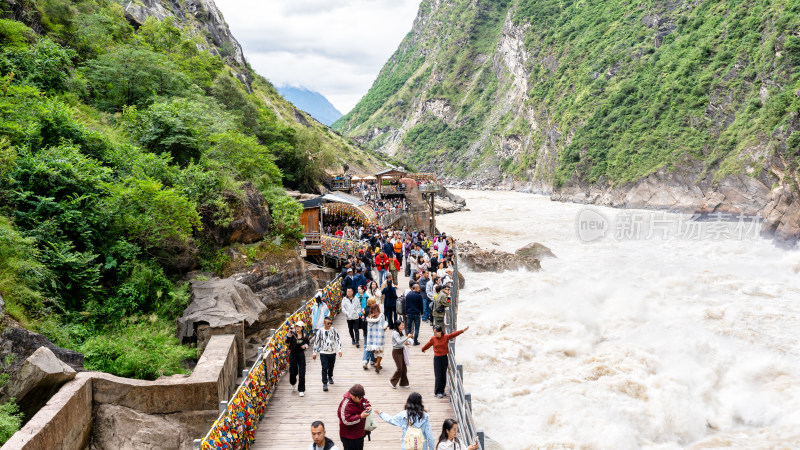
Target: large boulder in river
{"x":535,"y":250}
{"x":38,"y":379}
{"x":481,"y":260}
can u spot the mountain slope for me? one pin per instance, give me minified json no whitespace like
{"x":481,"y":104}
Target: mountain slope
{"x":688,"y":105}
{"x":136,"y":145}
{"x":314,"y":103}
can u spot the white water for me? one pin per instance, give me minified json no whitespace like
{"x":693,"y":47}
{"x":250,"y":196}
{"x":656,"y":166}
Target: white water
{"x":627,"y":344}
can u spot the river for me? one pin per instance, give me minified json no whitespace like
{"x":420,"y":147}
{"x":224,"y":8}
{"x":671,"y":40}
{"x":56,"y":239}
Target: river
{"x":676,"y":340}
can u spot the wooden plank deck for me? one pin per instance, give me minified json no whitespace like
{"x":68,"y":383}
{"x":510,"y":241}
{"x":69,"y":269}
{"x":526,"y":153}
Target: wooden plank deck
{"x":287,"y":420}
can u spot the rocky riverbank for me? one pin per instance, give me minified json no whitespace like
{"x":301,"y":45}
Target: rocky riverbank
{"x":764,"y":196}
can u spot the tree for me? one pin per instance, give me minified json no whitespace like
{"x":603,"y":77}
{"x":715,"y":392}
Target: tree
{"x":132,"y":76}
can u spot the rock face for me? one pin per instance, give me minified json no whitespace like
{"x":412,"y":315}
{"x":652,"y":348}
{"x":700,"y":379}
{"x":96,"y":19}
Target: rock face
{"x":120,"y":428}
{"x":22,"y":343}
{"x":38,"y":379}
{"x":203,"y":12}
{"x":481,"y":260}
{"x":251,"y":223}
{"x":535,"y":250}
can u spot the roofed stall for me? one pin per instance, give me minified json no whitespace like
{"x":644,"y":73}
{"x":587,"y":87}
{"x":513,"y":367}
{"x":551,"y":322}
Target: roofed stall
{"x":389,"y":182}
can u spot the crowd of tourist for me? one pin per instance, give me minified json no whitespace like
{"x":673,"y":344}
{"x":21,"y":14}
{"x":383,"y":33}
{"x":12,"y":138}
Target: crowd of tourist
{"x":374,"y":302}
{"x":388,"y":206}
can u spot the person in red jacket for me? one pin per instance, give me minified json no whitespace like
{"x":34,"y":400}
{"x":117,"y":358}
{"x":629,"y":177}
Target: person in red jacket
{"x":381,"y":265}
{"x":353,"y":411}
{"x":439,"y":342}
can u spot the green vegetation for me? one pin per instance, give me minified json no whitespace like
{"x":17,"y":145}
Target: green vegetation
{"x":10,"y":420}
{"x":145,"y":350}
{"x":121,"y":151}
{"x":621,"y":89}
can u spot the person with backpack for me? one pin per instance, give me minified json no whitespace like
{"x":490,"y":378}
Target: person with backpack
{"x":440,"y":304}
{"x":318,"y":312}
{"x":394,"y":267}
{"x":381,"y":265}
{"x":389,"y":294}
{"x":400,"y":343}
{"x":353,"y":411}
{"x":298,"y":342}
{"x":415,"y":422}
{"x":450,"y":440}
{"x":318,"y":436}
{"x":439,"y":342}
{"x":327,"y":342}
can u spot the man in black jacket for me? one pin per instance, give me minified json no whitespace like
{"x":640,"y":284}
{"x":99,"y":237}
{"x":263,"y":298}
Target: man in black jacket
{"x":413,"y":310}
{"x":320,"y":441}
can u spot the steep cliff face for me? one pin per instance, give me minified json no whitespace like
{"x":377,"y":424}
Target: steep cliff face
{"x":688,"y":105}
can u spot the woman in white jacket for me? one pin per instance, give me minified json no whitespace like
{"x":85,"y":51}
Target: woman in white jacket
{"x":449,"y":439}
{"x":351,"y":307}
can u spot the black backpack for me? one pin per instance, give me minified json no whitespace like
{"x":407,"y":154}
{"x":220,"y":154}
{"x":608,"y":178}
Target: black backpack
{"x":401,"y":305}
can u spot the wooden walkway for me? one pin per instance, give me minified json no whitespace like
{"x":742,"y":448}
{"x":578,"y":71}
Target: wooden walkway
{"x":287,"y":420}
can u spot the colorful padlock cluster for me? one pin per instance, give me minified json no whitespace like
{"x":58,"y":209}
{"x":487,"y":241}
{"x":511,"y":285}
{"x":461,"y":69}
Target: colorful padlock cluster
{"x":235,"y":429}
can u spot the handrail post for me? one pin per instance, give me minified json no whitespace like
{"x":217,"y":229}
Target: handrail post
{"x":223,"y":406}
{"x":481,"y":439}
{"x":196,"y":443}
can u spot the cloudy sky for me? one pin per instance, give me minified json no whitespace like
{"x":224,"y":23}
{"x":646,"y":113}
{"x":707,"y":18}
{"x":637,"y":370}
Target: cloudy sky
{"x":335,"y":47}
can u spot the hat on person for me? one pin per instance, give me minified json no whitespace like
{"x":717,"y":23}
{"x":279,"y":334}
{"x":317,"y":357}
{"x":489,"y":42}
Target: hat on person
{"x":349,"y":269}
{"x":300,"y":323}
{"x":449,"y":270}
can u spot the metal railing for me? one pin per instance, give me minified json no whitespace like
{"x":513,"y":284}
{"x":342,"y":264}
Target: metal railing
{"x":460,"y":399}
{"x":236,"y":425}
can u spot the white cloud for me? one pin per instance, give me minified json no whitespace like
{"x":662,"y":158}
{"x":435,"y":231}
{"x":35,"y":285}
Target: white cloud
{"x":335,"y":47}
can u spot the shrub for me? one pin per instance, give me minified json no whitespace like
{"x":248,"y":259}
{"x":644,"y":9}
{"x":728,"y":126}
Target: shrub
{"x":10,"y":420}
{"x":144,"y":349}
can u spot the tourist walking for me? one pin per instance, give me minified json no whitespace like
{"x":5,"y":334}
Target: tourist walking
{"x":389,"y":294}
{"x":327,"y":344}
{"x":353,"y":411}
{"x":439,"y":342}
{"x":381,"y":265}
{"x":394,"y":266}
{"x":318,"y":436}
{"x":351,"y":307}
{"x":424,"y":281}
{"x":318,"y":313}
{"x":413,"y":308}
{"x":373,"y":345}
{"x":400,"y":343}
{"x":440,"y":304}
{"x":374,"y":291}
{"x":298,"y":342}
{"x":450,"y":440}
{"x":415,"y":422}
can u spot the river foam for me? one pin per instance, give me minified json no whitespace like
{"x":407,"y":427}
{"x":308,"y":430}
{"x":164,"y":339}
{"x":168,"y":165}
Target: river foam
{"x":624,"y":344}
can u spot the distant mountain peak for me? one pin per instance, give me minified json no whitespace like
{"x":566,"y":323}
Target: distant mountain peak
{"x":311,"y":102}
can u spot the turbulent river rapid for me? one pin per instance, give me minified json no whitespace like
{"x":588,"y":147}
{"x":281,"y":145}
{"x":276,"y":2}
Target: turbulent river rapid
{"x":671,"y":340}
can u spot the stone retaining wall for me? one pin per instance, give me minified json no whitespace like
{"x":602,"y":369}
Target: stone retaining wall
{"x":66,"y":422}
